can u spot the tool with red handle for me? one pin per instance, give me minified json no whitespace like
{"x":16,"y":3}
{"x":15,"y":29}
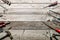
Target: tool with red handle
{"x":56,"y":29}
{"x":3,"y":24}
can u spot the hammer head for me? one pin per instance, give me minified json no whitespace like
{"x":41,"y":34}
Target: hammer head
{"x":9,"y":34}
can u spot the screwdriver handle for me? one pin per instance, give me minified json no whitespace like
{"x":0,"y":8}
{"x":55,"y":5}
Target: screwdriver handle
{"x":57,"y":30}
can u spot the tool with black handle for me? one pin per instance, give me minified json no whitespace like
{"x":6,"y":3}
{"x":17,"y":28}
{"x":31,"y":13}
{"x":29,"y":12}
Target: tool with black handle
{"x":7,"y":35}
{"x":51,"y":5}
{"x":55,"y":12}
{"x":55,"y":17}
{"x":7,"y":2}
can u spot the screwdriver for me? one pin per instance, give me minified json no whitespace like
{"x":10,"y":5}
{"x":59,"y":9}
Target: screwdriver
{"x":55,"y":17}
{"x":55,"y":12}
{"x":55,"y":29}
{"x":51,"y":5}
{"x":3,"y":24}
